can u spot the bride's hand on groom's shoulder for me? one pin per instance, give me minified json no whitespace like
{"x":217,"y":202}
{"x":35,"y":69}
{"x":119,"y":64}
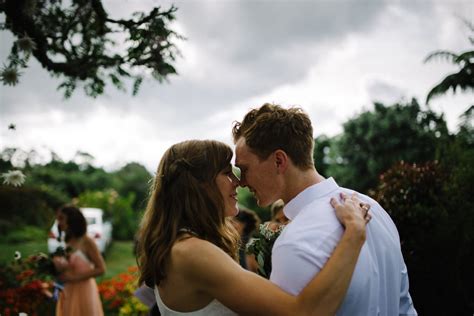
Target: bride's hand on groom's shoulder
{"x":351,"y":212}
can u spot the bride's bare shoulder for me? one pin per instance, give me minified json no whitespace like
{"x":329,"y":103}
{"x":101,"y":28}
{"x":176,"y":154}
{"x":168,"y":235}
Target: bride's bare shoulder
{"x":194,"y":250}
{"x":190,"y":245}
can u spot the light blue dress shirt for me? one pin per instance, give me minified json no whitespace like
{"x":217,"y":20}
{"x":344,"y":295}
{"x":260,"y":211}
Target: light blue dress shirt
{"x":379,"y":285}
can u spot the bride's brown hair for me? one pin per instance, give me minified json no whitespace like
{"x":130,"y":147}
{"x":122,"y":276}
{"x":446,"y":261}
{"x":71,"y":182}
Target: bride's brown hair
{"x":184,"y":195}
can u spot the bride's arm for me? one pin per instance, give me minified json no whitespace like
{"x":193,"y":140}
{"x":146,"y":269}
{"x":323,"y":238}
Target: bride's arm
{"x":212,"y":271}
{"x":332,"y":282}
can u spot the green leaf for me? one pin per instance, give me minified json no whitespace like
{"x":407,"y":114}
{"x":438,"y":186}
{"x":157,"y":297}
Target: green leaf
{"x":260,"y":259}
{"x":136,"y":85}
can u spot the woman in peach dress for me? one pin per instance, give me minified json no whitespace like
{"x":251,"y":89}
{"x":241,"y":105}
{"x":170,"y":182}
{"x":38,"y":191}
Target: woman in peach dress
{"x":80,"y":295}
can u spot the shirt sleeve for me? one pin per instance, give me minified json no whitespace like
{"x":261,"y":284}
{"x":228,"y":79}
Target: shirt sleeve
{"x":406,"y":303}
{"x":293,"y":267}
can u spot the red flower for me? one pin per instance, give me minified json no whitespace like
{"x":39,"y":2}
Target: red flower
{"x":116,"y":303}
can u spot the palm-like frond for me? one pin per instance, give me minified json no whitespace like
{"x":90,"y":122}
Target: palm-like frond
{"x":466,"y":57}
{"x":464,"y":79}
{"x":443,"y":54}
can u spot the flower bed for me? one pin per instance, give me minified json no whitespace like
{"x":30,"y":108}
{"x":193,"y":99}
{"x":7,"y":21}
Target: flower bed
{"x":26,"y":286}
{"x":117,"y":295}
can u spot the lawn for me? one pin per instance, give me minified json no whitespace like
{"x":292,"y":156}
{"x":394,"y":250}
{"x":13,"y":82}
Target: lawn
{"x":7,"y":250}
{"x":118,"y":257}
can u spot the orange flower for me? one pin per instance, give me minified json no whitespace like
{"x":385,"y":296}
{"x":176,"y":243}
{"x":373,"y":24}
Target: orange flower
{"x":24,"y":275}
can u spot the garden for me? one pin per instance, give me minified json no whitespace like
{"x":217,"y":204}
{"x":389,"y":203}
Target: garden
{"x":399,"y":152}
{"x":415,"y":168}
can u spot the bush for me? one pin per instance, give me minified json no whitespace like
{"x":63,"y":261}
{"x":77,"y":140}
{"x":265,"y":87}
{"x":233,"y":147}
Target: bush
{"x":433,"y":210}
{"x":375,"y":140}
{"x":25,"y":233}
{"x":116,"y":208}
{"x":27,"y":206}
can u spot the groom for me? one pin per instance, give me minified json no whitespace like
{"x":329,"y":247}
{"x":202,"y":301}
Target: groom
{"x":274,"y":149}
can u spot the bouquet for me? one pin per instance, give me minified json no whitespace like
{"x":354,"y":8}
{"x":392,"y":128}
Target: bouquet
{"x":261,"y":246}
{"x":55,"y":263}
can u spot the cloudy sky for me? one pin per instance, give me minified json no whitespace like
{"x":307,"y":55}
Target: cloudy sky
{"x":332,"y":58}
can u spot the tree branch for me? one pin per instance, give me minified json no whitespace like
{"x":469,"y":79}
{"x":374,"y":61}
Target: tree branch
{"x":55,"y":32}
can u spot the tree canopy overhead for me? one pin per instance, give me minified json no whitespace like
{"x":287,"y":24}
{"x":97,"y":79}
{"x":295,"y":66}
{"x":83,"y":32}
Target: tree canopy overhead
{"x":78,"y":43}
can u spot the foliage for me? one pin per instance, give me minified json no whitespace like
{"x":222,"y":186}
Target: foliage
{"x":117,"y":294}
{"x":24,"y":287}
{"x":261,"y":246}
{"x":321,"y":153}
{"x":78,"y":42}
{"x":432,"y":206}
{"x":133,"y":177}
{"x":122,"y":193}
{"x":374,"y":140}
{"x":118,"y":209}
{"x":69,"y":177}
{"x":27,"y":206}
{"x":464,"y":78}
{"x":412,"y":195}
{"x":24,"y":233}
{"x":465,"y":135}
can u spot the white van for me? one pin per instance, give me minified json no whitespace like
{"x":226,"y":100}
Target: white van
{"x":97,"y":229}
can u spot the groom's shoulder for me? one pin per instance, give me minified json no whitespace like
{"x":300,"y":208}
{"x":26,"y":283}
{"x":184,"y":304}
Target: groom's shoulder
{"x":363,"y":197}
{"x":315,"y":226}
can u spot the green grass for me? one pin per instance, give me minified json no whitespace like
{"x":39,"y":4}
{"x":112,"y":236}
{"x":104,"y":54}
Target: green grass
{"x":7,"y":250}
{"x":118,"y":257}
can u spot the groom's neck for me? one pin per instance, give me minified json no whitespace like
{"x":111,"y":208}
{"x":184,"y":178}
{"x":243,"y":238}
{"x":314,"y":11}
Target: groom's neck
{"x":297,"y":180}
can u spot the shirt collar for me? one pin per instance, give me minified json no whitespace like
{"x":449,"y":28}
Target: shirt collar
{"x":308,"y":195}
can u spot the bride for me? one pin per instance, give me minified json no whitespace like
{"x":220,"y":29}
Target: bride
{"x":187,"y":248}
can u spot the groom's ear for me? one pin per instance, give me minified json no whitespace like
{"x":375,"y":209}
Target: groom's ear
{"x":281,"y":161}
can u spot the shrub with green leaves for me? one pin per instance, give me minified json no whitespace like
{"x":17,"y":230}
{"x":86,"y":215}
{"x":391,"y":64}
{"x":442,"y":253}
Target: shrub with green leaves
{"x":434,"y":212}
{"x":116,"y":208}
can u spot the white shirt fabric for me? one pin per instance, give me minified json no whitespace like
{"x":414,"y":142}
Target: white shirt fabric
{"x":379,"y":285}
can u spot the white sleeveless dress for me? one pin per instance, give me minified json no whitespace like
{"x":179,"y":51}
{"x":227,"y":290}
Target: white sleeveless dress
{"x":214,"y":308}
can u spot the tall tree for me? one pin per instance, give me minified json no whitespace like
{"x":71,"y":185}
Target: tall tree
{"x":133,"y":177}
{"x":464,"y":78}
{"x":77,"y":42}
{"x":374,"y":140}
{"x":321,"y":149}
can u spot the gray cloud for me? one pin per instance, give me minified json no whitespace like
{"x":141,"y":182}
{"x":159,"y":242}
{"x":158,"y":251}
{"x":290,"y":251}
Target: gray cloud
{"x":241,"y":51}
{"x":384,"y":92}
{"x":247,"y":48}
